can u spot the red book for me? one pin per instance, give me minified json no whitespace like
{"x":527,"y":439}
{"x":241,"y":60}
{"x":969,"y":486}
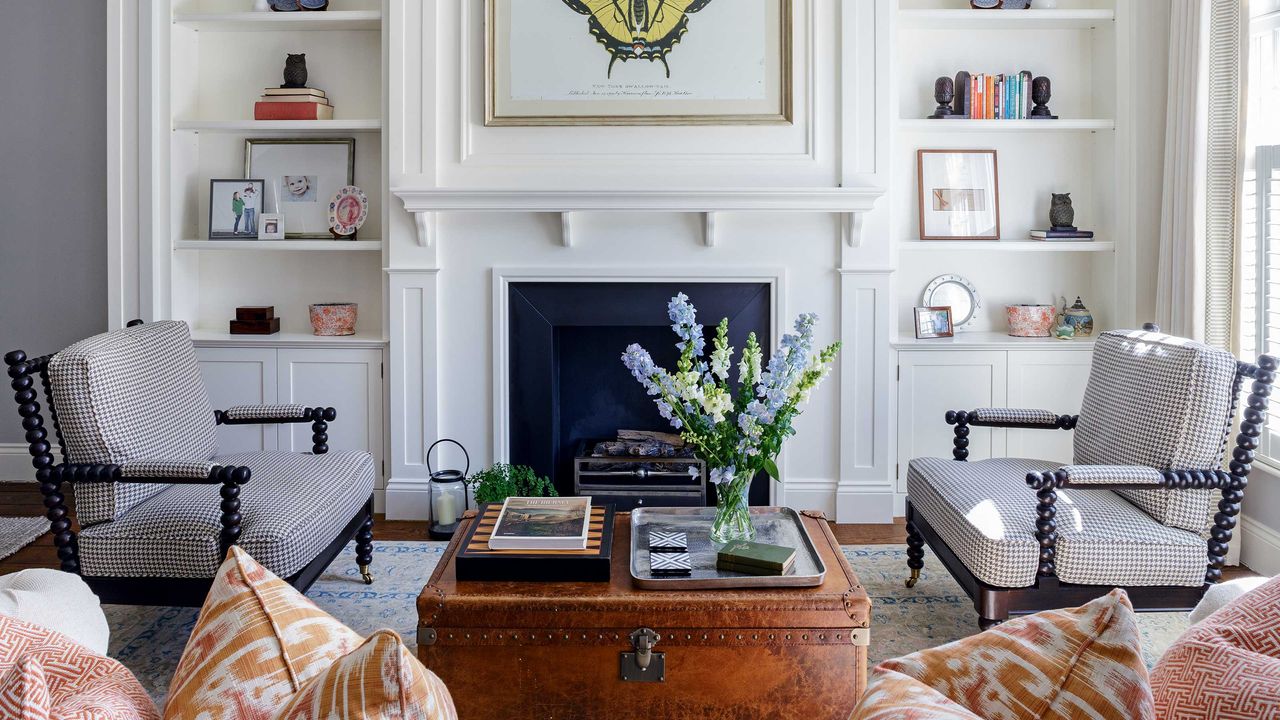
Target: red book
{"x":292,"y":111}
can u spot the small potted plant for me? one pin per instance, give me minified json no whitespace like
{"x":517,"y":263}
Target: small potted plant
{"x":501,"y":481}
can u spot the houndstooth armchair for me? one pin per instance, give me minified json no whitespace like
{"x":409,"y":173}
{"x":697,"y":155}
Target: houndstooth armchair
{"x":1136,"y":507}
{"x":157,"y":505}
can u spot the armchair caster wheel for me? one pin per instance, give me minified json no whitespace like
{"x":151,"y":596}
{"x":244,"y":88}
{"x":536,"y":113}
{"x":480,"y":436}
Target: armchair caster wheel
{"x":366,"y":575}
{"x":915,"y":578}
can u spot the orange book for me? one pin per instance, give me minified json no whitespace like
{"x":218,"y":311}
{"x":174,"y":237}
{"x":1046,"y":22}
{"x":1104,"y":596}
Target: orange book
{"x":990,"y":97}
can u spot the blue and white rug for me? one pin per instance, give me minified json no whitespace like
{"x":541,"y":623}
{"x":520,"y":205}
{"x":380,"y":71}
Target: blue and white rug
{"x":150,"y":640}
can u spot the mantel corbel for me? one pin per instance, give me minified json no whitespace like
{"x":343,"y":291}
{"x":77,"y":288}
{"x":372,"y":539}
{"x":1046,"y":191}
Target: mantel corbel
{"x":851,"y":204}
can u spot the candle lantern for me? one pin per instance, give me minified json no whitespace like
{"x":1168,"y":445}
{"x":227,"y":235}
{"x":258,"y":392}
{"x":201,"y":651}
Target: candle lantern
{"x":448,"y":495}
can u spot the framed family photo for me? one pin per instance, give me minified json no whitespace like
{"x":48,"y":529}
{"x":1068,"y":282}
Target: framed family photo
{"x":235,"y":208}
{"x":301,"y":175}
{"x":639,"y":62}
{"x":934,"y":322}
{"x":959,"y":194}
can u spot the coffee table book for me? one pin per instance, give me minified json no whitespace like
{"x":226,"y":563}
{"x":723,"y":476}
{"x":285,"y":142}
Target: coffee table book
{"x":542,"y":523}
{"x":477,"y":561}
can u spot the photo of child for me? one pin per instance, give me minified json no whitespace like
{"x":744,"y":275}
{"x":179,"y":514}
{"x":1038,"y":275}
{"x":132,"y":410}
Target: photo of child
{"x":299,"y":188}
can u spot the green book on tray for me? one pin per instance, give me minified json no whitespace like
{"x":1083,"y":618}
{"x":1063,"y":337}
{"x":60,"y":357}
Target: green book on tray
{"x":756,"y":558}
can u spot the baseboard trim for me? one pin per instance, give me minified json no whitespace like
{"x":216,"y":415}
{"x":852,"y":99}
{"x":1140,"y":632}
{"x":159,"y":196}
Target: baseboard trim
{"x":1259,"y":547}
{"x":408,"y":499}
{"x":807,"y":495}
{"x":15,"y":463}
{"x":864,"y":508}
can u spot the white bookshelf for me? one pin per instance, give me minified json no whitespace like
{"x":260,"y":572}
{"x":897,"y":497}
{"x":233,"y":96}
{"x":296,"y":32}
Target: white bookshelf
{"x":1082,"y":46}
{"x":332,"y":20}
{"x":219,"y":57}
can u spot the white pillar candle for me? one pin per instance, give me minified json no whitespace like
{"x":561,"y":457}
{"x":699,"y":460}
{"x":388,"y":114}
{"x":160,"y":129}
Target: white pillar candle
{"x":446,"y":509}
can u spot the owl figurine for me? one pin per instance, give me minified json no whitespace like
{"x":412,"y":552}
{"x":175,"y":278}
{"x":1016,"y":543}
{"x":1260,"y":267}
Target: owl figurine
{"x":295,"y":71}
{"x":1061,"y":215}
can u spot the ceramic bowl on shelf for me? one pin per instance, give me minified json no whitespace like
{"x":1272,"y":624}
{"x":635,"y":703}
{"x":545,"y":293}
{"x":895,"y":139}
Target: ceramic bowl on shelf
{"x":1031,"y":320}
{"x":333,"y":319}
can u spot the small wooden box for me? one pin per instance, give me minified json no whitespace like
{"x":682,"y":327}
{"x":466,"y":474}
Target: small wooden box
{"x":255,"y":327}
{"x":255,"y":313}
{"x":476,"y":561}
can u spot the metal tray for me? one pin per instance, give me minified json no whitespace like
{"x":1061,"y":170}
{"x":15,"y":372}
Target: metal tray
{"x":774,"y":525}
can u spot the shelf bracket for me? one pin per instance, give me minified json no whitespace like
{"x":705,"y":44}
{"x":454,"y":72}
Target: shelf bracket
{"x":709,"y":229}
{"x":851,"y":228}
{"x":426,"y":224}
{"x":566,"y":228}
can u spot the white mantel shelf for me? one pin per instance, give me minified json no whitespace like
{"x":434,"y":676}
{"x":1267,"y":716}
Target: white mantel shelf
{"x":851,"y":203}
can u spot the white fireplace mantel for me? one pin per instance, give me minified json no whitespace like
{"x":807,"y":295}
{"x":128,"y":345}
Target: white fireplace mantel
{"x":851,"y":203}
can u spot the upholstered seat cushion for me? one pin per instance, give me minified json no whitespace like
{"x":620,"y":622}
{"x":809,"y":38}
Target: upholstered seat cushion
{"x":1159,"y":401}
{"x":293,"y":506}
{"x":986,"y":515}
{"x":131,"y":394}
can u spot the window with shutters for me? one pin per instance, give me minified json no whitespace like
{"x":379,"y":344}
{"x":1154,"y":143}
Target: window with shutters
{"x":1259,"y":330}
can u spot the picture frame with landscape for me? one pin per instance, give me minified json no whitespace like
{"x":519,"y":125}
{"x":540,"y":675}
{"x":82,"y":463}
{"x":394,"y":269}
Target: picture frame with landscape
{"x":958,"y":193}
{"x":599,"y":62}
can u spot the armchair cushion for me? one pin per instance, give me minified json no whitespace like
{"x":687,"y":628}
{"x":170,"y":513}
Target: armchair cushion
{"x":130,"y":394}
{"x":292,"y":508}
{"x":1158,"y":401}
{"x":250,"y":413}
{"x":1112,"y":474}
{"x":1085,"y":662}
{"x":986,"y":514}
{"x":1014,"y":415}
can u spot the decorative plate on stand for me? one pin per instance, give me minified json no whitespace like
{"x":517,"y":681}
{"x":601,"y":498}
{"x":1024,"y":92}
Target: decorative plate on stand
{"x":348,"y":209}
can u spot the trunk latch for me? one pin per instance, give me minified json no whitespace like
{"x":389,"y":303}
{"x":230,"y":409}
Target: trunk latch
{"x":643,"y":664}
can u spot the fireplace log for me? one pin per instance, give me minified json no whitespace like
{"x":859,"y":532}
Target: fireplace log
{"x":671,"y":439}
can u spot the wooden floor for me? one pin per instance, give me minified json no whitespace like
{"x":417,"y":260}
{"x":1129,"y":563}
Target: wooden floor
{"x":17,"y":499}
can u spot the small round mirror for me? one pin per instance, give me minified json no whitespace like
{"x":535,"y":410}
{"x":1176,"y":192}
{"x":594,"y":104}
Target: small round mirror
{"x":956,"y":293}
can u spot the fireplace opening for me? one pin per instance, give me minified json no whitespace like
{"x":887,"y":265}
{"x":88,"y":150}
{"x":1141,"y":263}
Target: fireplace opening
{"x":569,"y":389}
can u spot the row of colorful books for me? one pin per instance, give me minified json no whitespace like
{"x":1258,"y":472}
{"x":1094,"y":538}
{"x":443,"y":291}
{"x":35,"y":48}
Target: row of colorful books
{"x":998,"y":97}
{"x":292,"y":104}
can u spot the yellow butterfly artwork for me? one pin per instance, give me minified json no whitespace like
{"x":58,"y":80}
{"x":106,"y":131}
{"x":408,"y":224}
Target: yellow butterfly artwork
{"x":637,"y":29}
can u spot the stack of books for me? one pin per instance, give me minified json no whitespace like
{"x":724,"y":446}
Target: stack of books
{"x":999,"y":97}
{"x":1062,"y":235}
{"x":292,"y":104}
{"x":753,"y":558}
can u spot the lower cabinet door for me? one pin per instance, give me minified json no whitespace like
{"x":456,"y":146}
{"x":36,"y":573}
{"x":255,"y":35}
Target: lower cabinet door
{"x":1046,"y":380}
{"x":240,"y":376}
{"x":348,"y":380}
{"x":930,"y":383}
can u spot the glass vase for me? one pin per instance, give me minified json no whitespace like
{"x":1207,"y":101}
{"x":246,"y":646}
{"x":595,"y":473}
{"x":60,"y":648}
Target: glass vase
{"x":733,"y":515}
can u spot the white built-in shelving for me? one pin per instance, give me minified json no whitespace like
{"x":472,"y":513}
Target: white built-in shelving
{"x":1009,"y":126}
{"x":308,"y":127}
{"x":333,"y":20}
{"x":1025,"y":246}
{"x":1031,"y":19}
{"x":281,"y":245}
{"x":992,"y":341}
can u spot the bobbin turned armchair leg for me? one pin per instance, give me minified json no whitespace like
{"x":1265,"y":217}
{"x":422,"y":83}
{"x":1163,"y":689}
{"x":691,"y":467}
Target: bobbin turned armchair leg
{"x":915,"y":549}
{"x":364,"y":546}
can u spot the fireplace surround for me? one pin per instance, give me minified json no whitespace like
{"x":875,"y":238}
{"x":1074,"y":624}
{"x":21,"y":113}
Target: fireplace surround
{"x":566,"y":382}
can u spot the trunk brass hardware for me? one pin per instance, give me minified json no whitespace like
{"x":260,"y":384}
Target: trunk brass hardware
{"x":426,"y":636}
{"x":643,"y":664}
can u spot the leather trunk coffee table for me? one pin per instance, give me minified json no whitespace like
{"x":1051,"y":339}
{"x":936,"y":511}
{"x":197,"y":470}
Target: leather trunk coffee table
{"x":590,"y":650}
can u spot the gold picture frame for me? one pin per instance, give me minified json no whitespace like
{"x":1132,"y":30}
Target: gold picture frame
{"x":500,"y":110}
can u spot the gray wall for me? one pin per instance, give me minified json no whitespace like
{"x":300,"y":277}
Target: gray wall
{"x":53,"y":177}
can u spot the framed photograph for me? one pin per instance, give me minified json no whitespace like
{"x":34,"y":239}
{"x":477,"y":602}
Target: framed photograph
{"x":653,"y":62}
{"x":959,"y":194}
{"x":934,"y":322}
{"x":234,"y":209}
{"x":271,"y":227}
{"x":301,"y":175}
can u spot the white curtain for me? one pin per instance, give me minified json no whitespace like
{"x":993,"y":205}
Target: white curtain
{"x":1180,"y":283}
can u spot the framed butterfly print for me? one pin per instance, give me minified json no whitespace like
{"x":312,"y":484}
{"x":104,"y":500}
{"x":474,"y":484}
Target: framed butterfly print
{"x":637,"y":62}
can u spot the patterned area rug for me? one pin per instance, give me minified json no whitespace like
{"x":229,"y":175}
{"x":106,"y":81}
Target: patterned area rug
{"x":149,"y":640}
{"x":19,"y":532}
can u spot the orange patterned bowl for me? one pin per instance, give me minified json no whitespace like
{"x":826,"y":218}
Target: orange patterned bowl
{"x":329,"y":319}
{"x":1031,"y":320}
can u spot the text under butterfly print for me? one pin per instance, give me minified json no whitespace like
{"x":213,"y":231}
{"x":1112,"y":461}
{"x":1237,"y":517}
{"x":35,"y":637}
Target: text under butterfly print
{"x":638,"y":29}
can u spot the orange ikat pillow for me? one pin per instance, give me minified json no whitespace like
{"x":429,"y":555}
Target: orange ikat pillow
{"x":1082,"y":662}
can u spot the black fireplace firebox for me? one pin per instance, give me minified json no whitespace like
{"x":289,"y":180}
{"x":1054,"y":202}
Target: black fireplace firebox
{"x":568,"y":384}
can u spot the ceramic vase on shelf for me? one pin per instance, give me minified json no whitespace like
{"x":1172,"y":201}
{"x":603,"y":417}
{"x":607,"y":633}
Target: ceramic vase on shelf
{"x":333,"y":319}
{"x":1031,"y":320}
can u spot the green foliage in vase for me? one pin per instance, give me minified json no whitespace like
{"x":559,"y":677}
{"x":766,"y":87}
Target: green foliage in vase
{"x":501,"y":481}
